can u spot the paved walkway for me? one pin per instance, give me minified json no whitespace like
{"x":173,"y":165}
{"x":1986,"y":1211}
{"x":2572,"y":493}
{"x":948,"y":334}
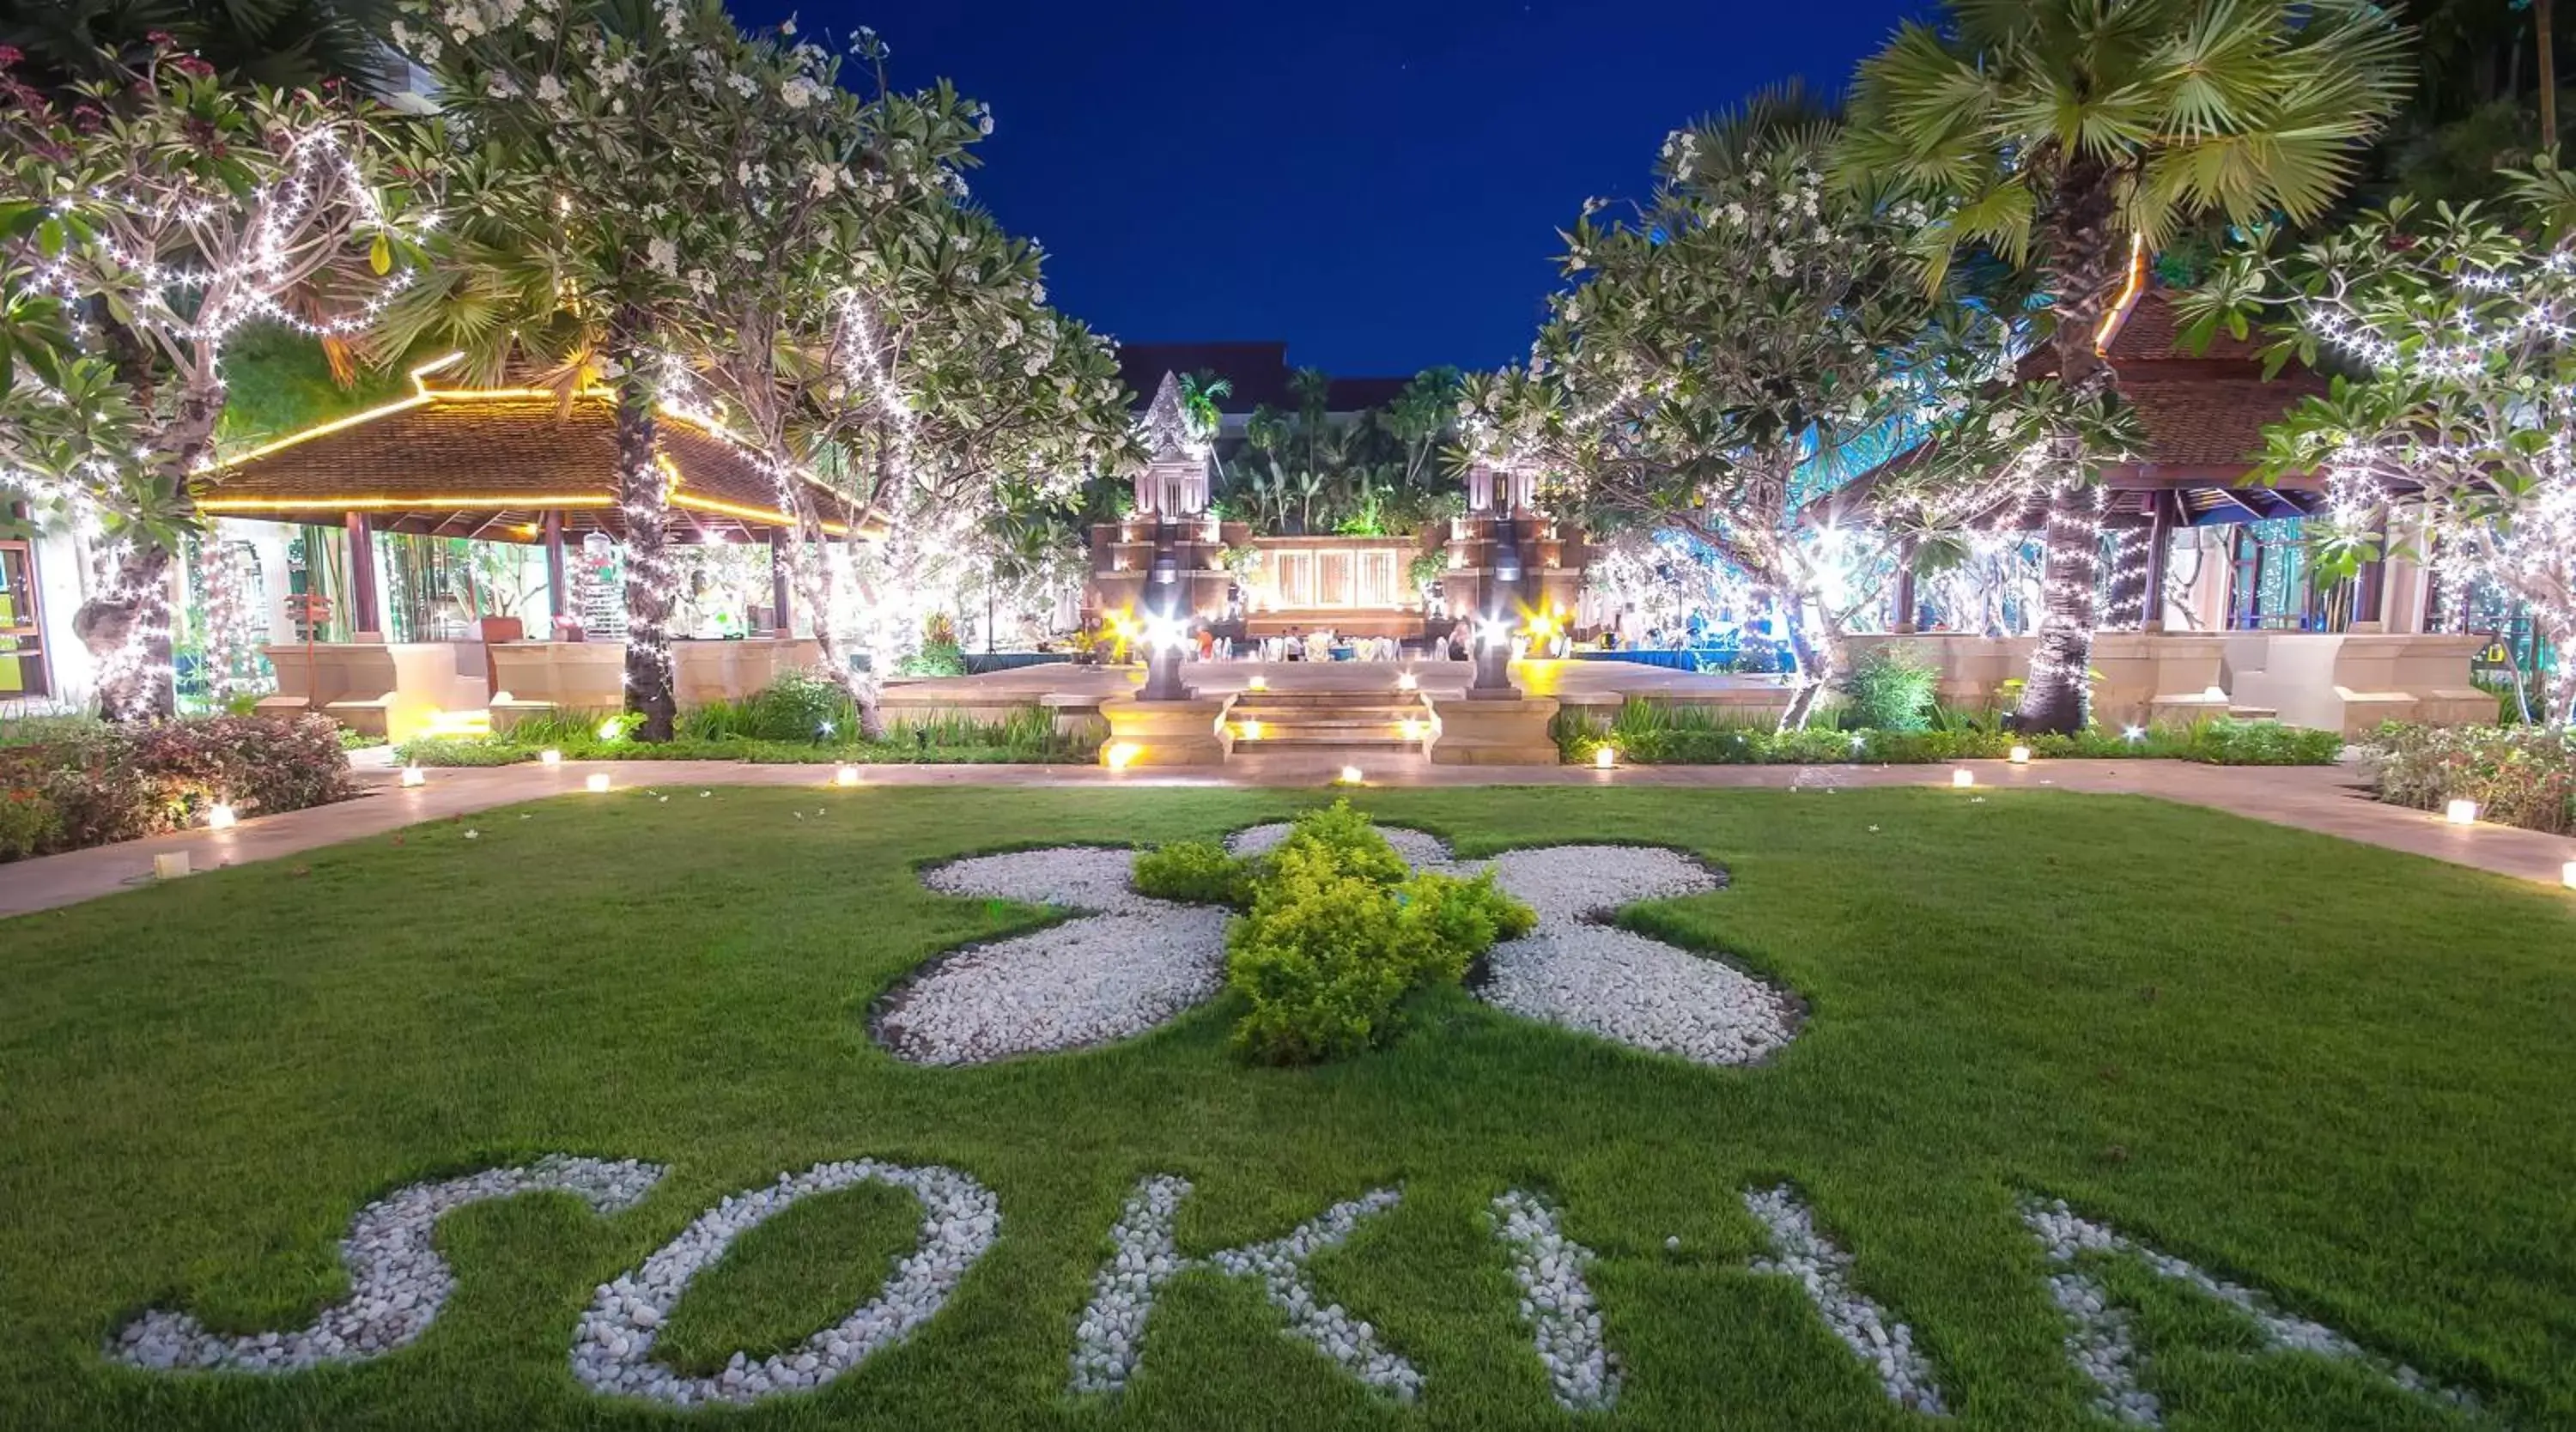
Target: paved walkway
{"x":2316,"y":798}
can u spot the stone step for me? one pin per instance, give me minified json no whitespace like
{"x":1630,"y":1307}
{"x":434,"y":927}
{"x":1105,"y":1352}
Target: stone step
{"x":1371,"y":730}
{"x":1323,"y":742}
{"x":1291,"y":715}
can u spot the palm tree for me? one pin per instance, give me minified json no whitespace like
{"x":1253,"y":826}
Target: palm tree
{"x":1199,"y":394}
{"x":2068,"y":137}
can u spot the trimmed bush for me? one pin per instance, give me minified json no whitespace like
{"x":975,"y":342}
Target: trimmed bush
{"x":1652,"y":734}
{"x":2518,"y":775}
{"x":1195,"y":872}
{"x":96,"y":783}
{"x":1339,"y":935}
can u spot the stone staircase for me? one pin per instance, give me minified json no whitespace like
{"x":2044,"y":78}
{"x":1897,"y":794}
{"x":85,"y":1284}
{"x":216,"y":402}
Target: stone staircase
{"x":1309,"y":721}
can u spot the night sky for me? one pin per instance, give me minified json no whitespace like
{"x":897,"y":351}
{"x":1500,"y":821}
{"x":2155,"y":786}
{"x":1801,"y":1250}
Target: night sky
{"x":1379,"y":184}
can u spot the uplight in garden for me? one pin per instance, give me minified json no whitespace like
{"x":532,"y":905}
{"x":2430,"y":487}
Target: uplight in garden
{"x":846,"y":776}
{"x":596,"y":783}
{"x":2461,"y":812}
{"x":414,"y":776}
{"x":1351,"y":776}
{"x":1963,"y":779}
{"x":1122,"y":755}
{"x":1405,"y":681}
{"x":550,"y":757}
{"x":219,"y":816}
{"x":1604,"y":759}
{"x":2020,"y":755}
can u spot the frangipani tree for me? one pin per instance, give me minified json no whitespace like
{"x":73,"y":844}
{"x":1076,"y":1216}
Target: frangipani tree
{"x":2456,"y":444}
{"x":142,"y":224}
{"x":1753,"y":317}
{"x":2068,"y":136}
{"x":597,"y":138}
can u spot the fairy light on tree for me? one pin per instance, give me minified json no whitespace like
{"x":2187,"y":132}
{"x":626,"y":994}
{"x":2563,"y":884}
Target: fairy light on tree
{"x":151,"y":219}
{"x":1718,"y":354}
{"x":600,"y":141}
{"x":2067,"y":138}
{"x":2454,"y":445}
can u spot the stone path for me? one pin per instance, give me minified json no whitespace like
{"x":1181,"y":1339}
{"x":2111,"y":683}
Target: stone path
{"x":2317,"y":798}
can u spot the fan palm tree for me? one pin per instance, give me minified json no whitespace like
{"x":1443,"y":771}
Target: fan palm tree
{"x":2069,"y":137}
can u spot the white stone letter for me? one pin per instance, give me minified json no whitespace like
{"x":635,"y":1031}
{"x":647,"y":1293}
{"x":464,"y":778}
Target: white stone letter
{"x":1109,"y":1339}
{"x":1556,"y":1301}
{"x":397,"y":1281}
{"x":2102,"y":1347}
{"x":1883,"y":1345}
{"x":612,"y":1349}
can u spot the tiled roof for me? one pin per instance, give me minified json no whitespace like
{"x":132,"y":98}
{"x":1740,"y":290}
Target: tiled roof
{"x":465,"y":463}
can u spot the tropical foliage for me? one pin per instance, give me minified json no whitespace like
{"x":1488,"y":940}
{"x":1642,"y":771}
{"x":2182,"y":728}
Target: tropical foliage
{"x":144,"y":221}
{"x":2066,"y":137}
{"x":1373,"y":472}
{"x":1721,"y":346}
{"x":2452,"y":445}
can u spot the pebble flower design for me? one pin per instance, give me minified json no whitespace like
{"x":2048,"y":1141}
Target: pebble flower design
{"x":1124,"y":964}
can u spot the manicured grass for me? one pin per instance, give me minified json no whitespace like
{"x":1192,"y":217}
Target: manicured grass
{"x":2335,"y":1073}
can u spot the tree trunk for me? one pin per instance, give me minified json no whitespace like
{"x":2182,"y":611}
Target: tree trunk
{"x":125,"y":623}
{"x":126,"y":627}
{"x":644,"y":493}
{"x":2086,"y":259}
{"x":1822,"y":657}
{"x":2058,"y":693}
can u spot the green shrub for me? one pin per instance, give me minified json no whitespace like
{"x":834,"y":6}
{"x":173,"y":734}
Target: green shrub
{"x":2518,"y":775}
{"x":936,"y":658}
{"x":1890,"y":689}
{"x":1340,"y":934}
{"x":100,"y":783}
{"x":1194,"y":872}
{"x":472,"y":750}
{"x":1650,"y":734}
{"x":29,"y":824}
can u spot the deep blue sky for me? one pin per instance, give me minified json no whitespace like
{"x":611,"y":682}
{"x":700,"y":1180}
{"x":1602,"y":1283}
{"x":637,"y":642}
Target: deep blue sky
{"x":1380,"y":184}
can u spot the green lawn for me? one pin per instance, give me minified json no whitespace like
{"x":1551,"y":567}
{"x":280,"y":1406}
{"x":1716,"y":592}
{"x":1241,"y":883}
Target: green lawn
{"x":2331,"y":1072}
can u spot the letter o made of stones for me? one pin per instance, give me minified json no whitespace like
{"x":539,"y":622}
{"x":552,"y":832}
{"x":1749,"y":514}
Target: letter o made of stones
{"x":612,"y":1350}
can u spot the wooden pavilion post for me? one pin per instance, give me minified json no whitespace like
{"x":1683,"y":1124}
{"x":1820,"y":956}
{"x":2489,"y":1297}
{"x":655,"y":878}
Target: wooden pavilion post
{"x":779,"y":623}
{"x":365,"y":615}
{"x":2160,"y":519}
{"x":558,"y":589}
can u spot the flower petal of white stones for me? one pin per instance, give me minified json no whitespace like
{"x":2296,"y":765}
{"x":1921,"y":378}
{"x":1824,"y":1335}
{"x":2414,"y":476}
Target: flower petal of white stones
{"x":1882,"y":1344}
{"x":612,"y":1349}
{"x":2103,"y":1348}
{"x":397,"y":1280}
{"x":1126,"y":963}
{"x":1577,"y":973}
{"x":1131,"y":965}
{"x":1109,"y":1339}
{"x":1557,"y":1303}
